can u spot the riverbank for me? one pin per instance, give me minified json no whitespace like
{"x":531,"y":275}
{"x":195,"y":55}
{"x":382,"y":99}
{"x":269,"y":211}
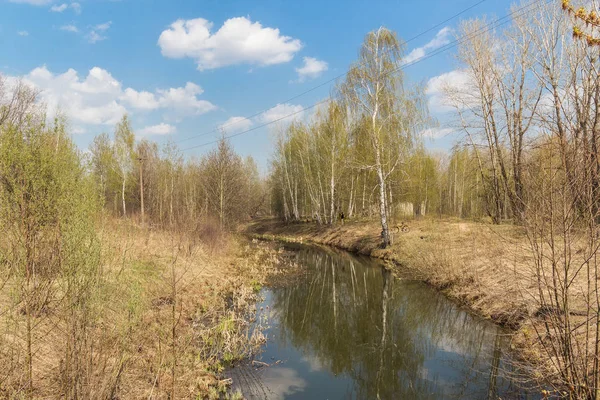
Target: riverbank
{"x":166,"y":314}
{"x":488,"y":269}
{"x":195,"y":298}
{"x":484,"y":267}
{"x":206,"y":287}
{"x":349,"y":329}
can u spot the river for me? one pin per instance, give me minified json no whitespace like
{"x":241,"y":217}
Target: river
{"x":348,"y":329}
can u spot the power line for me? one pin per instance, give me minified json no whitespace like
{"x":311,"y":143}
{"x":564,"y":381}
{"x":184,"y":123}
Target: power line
{"x":261,"y":126}
{"x":453,"y":44}
{"x":335,"y":77}
{"x":492,"y":25}
{"x":445,"y":21}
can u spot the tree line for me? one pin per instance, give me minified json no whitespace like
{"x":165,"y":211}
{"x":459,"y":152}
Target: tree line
{"x":527,"y":108}
{"x":353,"y":156}
{"x":68,"y":318}
{"x":363,"y":152}
{"x":158,"y":185}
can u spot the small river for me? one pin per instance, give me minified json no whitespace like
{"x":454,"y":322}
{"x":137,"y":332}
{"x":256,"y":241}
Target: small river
{"x":348,"y":329}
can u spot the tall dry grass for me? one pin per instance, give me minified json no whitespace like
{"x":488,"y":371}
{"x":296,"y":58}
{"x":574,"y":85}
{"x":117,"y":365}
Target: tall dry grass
{"x":170,"y":311}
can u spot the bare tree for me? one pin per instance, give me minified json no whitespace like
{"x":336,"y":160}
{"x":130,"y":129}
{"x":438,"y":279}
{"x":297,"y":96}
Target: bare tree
{"x":18,"y":102}
{"x":224,"y":183}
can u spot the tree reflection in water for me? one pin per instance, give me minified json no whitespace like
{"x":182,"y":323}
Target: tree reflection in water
{"x":361,"y":333}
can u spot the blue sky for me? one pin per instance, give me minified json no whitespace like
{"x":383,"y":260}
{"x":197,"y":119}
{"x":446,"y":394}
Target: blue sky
{"x":182,"y":68}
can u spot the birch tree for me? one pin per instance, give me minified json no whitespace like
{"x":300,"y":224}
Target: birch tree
{"x":335,"y":136}
{"x":124,"y":154}
{"x":104,"y":165}
{"x":18,"y":103}
{"x":374,"y":89}
{"x":289,"y":174}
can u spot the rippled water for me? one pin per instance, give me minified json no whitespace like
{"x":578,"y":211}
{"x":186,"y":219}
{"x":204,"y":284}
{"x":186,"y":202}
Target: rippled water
{"x":349,"y":329}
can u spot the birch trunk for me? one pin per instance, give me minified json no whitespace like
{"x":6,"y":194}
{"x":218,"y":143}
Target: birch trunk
{"x":123,"y":195}
{"x":332,"y":182}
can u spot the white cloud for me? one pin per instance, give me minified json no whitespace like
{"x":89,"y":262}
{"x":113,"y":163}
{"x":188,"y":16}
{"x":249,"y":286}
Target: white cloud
{"x":160,"y":129}
{"x":99,"y":99}
{"x":450,"y":89}
{"x":32,"y":2}
{"x":78,"y":130}
{"x":95,"y":35}
{"x":76,"y":7}
{"x":453,"y":78}
{"x":103,"y":27}
{"x":236,"y":124}
{"x":238,"y":41}
{"x":59,"y":8}
{"x":23,"y":33}
{"x":184,"y":100}
{"x":436,"y":133}
{"x":414,"y":55}
{"x":181,"y":101}
{"x":98,"y":81}
{"x":69,"y":28}
{"x":141,"y":100}
{"x":282,"y":112}
{"x":107,"y":114}
{"x":311,"y":69}
{"x":442,"y":38}
{"x":87,"y":101}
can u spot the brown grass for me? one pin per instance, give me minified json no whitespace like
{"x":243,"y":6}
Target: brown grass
{"x":209,"y":305}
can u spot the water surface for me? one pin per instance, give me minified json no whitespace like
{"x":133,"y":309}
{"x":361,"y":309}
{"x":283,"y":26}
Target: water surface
{"x":348,"y":329}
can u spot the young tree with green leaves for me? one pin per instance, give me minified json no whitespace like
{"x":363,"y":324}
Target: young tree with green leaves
{"x":124,"y":154}
{"x":376,"y":94}
{"x":48,"y":206}
{"x":104,"y":166}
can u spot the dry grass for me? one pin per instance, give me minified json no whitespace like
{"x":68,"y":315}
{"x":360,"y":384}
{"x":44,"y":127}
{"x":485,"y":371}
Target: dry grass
{"x":171,"y":313}
{"x":216,"y":291}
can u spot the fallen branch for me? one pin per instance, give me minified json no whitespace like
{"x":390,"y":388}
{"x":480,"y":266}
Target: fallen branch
{"x":260,"y":363}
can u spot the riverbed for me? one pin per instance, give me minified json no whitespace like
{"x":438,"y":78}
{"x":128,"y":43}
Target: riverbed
{"x":349,"y":329}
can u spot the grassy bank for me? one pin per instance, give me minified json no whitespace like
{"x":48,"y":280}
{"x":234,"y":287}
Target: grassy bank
{"x":206,"y":290}
{"x":489,"y":269}
{"x":170,"y":312}
{"x":474,"y":263}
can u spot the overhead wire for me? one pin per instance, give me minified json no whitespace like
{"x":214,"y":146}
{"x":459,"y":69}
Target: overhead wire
{"x":490,"y":26}
{"x":214,"y":130}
